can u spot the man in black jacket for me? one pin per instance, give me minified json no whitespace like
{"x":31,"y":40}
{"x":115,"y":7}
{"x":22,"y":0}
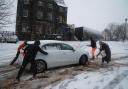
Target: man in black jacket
{"x":105,"y":52}
{"x":30,"y":54}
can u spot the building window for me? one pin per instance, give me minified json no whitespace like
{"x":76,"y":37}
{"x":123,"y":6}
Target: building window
{"x":25,"y":13}
{"x":40,"y":3}
{"x":39,"y":28}
{"x":50,"y":17}
{"x":25,"y":27}
{"x":26,"y":1}
{"x":64,"y":21}
{"x":39,"y":14}
{"x":50,"y":6}
{"x":60,"y":19}
{"x":61,"y":9}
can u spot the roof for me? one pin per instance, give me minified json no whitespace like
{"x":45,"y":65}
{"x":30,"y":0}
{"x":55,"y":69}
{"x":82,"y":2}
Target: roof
{"x":60,"y":3}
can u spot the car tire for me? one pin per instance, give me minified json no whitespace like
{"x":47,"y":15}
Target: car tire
{"x":83,"y":60}
{"x":41,"y":65}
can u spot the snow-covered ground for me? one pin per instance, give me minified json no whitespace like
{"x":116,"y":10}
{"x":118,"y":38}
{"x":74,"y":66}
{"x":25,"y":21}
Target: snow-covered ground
{"x":7,"y":52}
{"x":111,"y":76}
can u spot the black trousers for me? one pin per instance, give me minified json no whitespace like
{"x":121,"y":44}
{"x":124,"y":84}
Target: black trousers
{"x":17,"y":55}
{"x":27,"y":60}
{"x":106,"y":58}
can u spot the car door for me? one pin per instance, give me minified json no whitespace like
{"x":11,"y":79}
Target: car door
{"x":69,"y":54}
{"x":54,"y":56}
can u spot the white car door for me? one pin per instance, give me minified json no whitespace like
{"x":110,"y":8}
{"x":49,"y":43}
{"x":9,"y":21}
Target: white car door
{"x":54,"y":57}
{"x":70,"y":56}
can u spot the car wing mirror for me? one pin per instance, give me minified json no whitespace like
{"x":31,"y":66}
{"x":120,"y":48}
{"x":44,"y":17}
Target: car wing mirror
{"x":73,"y":50}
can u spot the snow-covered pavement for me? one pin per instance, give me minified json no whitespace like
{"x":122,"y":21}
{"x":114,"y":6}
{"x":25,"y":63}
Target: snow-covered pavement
{"x":94,"y":76}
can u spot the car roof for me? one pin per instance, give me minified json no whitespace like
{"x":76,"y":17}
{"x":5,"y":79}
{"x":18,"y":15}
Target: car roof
{"x":46,"y":41}
{"x":43,"y":42}
{"x":50,"y":41}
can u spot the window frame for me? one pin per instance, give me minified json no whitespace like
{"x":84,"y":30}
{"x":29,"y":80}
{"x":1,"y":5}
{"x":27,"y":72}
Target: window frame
{"x":25,"y":27}
{"x":49,"y":16}
{"x":39,"y":14}
{"x":25,"y":12}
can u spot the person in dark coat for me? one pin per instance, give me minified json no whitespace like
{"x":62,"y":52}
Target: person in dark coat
{"x":105,"y":52}
{"x":93,"y":45}
{"x":30,"y":54}
{"x":21,"y":46}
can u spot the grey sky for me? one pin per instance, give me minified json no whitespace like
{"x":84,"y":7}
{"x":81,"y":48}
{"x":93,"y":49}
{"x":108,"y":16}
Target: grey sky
{"x":96,"y":14}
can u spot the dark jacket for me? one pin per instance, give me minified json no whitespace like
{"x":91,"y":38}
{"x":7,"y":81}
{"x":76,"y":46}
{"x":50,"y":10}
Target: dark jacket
{"x":32,"y":49}
{"x":93,"y":43}
{"x":107,"y":50}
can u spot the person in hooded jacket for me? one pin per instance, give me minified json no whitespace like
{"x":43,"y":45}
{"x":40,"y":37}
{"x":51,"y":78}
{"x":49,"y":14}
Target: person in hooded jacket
{"x":30,"y":54}
{"x":105,"y":52}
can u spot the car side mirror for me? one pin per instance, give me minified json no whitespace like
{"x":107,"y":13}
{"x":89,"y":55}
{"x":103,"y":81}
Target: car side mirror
{"x":73,"y":50}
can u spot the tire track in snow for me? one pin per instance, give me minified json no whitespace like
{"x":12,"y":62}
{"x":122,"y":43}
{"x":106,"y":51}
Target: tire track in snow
{"x":117,"y":80}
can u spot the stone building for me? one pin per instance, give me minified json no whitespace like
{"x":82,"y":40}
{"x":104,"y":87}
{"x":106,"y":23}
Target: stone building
{"x":39,"y":19}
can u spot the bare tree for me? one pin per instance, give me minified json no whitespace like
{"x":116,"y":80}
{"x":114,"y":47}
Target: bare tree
{"x":123,"y":32}
{"x":112,"y":27}
{"x":106,"y":34}
{"x":5,"y":12}
{"x":117,"y":31}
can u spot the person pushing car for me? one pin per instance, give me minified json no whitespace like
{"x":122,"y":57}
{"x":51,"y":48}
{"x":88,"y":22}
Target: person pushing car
{"x":30,"y":54}
{"x":21,"y":47}
{"x":105,"y":52}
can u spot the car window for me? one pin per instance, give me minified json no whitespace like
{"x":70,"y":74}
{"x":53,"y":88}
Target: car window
{"x":66,"y":47}
{"x":51,"y":46}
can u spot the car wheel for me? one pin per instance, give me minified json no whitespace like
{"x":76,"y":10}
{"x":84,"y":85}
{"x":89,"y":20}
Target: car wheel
{"x":41,"y":65}
{"x":83,"y":60}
